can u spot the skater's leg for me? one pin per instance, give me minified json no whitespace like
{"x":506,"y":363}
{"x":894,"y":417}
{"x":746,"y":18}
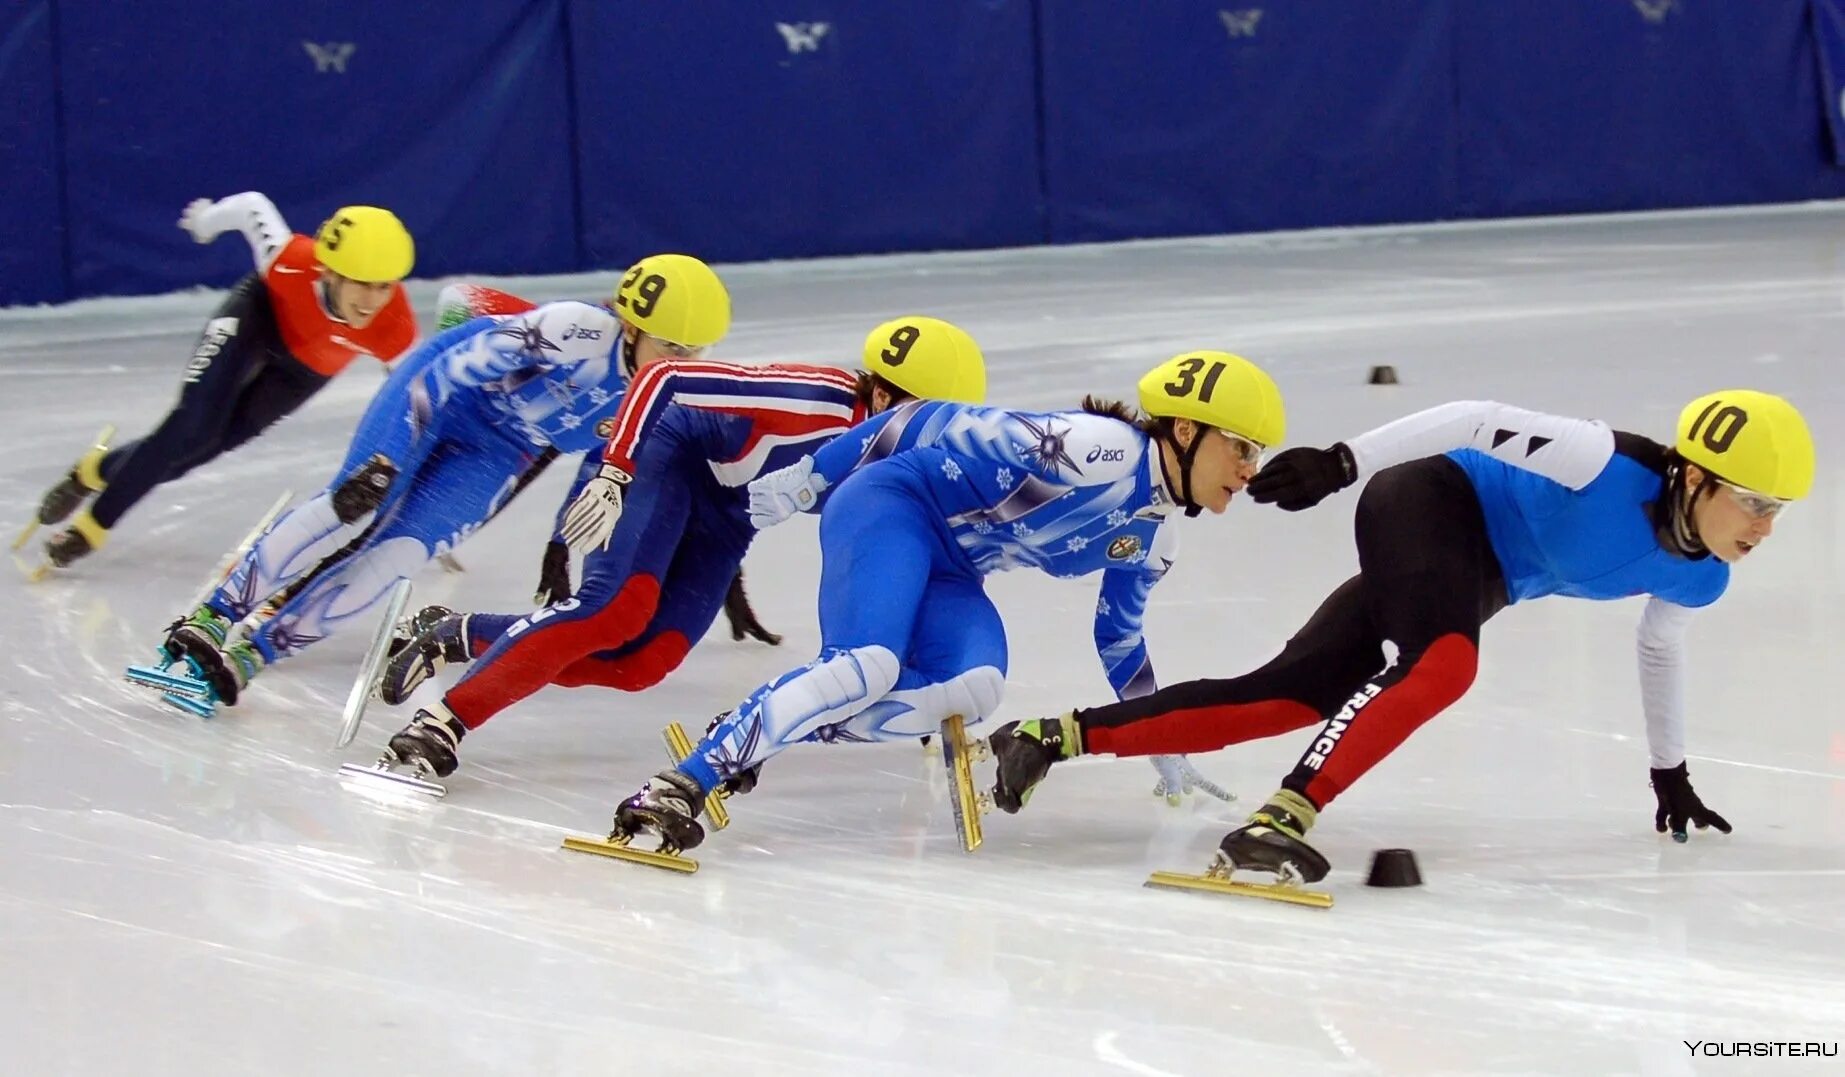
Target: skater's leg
{"x":619,"y":593}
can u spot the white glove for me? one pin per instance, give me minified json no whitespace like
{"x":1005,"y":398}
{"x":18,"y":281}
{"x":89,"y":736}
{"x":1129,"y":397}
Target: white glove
{"x":192,"y":219}
{"x":591,"y":518}
{"x":1178,"y":777}
{"x":780,"y":494}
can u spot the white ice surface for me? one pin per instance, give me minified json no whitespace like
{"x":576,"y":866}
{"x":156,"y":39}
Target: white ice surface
{"x":186,"y":897}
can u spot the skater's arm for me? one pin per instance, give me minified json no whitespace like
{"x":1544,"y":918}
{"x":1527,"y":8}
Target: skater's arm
{"x":553,"y":335}
{"x":883,"y":435}
{"x":1661,"y":648}
{"x":251,"y":213}
{"x":1119,"y":613}
{"x":1568,"y":451}
{"x":782,"y":400}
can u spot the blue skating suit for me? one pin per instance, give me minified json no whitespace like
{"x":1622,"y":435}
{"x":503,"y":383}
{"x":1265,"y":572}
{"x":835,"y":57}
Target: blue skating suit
{"x":921,"y":503}
{"x":461,"y":419}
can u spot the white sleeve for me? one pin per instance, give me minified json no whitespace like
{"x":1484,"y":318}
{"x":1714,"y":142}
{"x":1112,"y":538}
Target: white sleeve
{"x":1661,"y":647}
{"x":1569,"y":451}
{"x":251,"y":213}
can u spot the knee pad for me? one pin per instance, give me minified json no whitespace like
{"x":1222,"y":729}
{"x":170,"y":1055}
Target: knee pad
{"x":973,"y":695}
{"x":363,"y":491}
{"x":828,"y":690}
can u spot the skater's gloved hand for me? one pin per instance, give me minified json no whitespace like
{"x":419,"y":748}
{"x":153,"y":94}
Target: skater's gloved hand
{"x":192,"y":219}
{"x":780,"y":494}
{"x":1178,"y":778}
{"x":591,"y":518}
{"x":743,"y":620}
{"x":1678,"y":802}
{"x":554,"y":575}
{"x":1299,"y":479}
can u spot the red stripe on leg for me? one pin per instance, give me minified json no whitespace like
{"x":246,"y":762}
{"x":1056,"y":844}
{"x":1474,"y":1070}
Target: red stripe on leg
{"x":645,"y":667}
{"x":1201,"y":729}
{"x":540,"y":652}
{"x":1440,"y":677}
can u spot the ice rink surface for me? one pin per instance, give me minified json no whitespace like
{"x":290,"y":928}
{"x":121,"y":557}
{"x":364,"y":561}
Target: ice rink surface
{"x":187,"y":897}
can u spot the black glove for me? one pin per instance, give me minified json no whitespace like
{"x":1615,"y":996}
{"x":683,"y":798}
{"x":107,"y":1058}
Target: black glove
{"x":1301,"y":478}
{"x":554,"y":576}
{"x":1678,"y":801}
{"x":743,"y":619}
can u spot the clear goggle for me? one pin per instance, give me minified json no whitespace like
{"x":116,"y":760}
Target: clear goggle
{"x":1759,"y":506}
{"x":1247,"y":451}
{"x":680,"y":351}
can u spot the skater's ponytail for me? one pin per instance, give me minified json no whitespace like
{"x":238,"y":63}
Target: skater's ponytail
{"x":1115,"y":409}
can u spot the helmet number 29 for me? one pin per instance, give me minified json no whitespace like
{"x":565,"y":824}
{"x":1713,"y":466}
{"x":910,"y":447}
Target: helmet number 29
{"x":645,"y":296}
{"x":1718,"y":427}
{"x":1188,"y":378}
{"x":901,"y":342}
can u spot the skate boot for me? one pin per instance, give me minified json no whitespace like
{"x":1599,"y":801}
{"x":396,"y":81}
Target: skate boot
{"x":668,"y":805}
{"x":236,"y":666}
{"x":1024,"y":752}
{"x":200,"y":636}
{"x":429,"y":744}
{"x":1273,"y":842}
{"x":83,"y":537}
{"x":430,"y":640}
{"x":85,"y":478}
{"x":742,"y":781}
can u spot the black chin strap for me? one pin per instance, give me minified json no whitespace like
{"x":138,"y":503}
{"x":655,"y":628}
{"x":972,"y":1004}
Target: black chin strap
{"x":628,"y":365}
{"x":1672,"y":517}
{"x":1185,"y":454}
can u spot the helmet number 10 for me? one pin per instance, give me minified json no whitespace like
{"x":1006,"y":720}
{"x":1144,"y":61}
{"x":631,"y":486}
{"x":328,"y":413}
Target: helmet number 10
{"x":1188,"y":378}
{"x":1718,"y":427}
{"x":901,"y":342}
{"x":644,"y":297}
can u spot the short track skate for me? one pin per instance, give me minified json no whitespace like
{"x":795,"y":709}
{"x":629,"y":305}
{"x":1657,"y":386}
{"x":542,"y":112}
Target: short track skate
{"x":1216,"y":880}
{"x":371,"y":669}
{"x":970,"y":802}
{"x":181,"y":683}
{"x":621,"y":847}
{"x":37,"y":570}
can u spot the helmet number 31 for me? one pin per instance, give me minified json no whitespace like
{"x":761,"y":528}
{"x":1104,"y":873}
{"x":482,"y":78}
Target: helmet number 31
{"x":1188,"y":379}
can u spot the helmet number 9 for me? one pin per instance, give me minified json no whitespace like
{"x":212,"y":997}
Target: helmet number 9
{"x":901,"y":342}
{"x":1188,"y":378}
{"x":646,"y":294}
{"x":1718,"y":431}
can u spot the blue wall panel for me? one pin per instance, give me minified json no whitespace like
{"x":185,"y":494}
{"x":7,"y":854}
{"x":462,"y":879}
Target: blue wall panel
{"x":713,"y":127}
{"x":1612,"y":106}
{"x":1188,"y":117}
{"x":455,"y":118}
{"x":31,"y":220}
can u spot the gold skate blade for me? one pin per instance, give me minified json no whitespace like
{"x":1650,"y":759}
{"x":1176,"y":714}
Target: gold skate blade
{"x":25,"y":536}
{"x":968,"y":801}
{"x":678,"y":746}
{"x":369,"y":775}
{"x":33,"y":572}
{"x":1218,"y":884}
{"x":621,"y":851}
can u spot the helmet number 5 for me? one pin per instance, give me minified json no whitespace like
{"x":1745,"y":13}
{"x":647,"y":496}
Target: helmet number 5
{"x":900,"y":344}
{"x":1188,"y":377}
{"x":1718,"y":430}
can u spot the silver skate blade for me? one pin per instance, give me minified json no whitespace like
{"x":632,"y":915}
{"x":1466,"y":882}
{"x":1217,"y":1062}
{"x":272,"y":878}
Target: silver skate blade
{"x":378,"y":775}
{"x":198,"y":708}
{"x":1216,"y":882}
{"x":365,"y":685}
{"x":621,"y":850}
{"x":177,"y":684}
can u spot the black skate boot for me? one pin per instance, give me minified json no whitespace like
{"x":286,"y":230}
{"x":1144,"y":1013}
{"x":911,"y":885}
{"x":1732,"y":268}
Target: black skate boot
{"x":430,"y":640}
{"x":429,"y":744}
{"x":83,"y":480}
{"x":668,"y":805}
{"x":83,"y":537}
{"x":1024,"y":752}
{"x":199,"y":636}
{"x":744,"y":780}
{"x":1272,"y":841}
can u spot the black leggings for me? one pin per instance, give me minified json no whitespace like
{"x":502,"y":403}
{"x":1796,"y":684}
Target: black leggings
{"x":1427,"y":580}
{"x":240,"y":381}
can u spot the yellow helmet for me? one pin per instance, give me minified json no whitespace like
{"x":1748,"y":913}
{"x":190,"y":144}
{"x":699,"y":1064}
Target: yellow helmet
{"x":365,"y":243}
{"x":928,"y":358}
{"x":1218,"y":389}
{"x":1756,"y":440}
{"x":676,"y":298}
